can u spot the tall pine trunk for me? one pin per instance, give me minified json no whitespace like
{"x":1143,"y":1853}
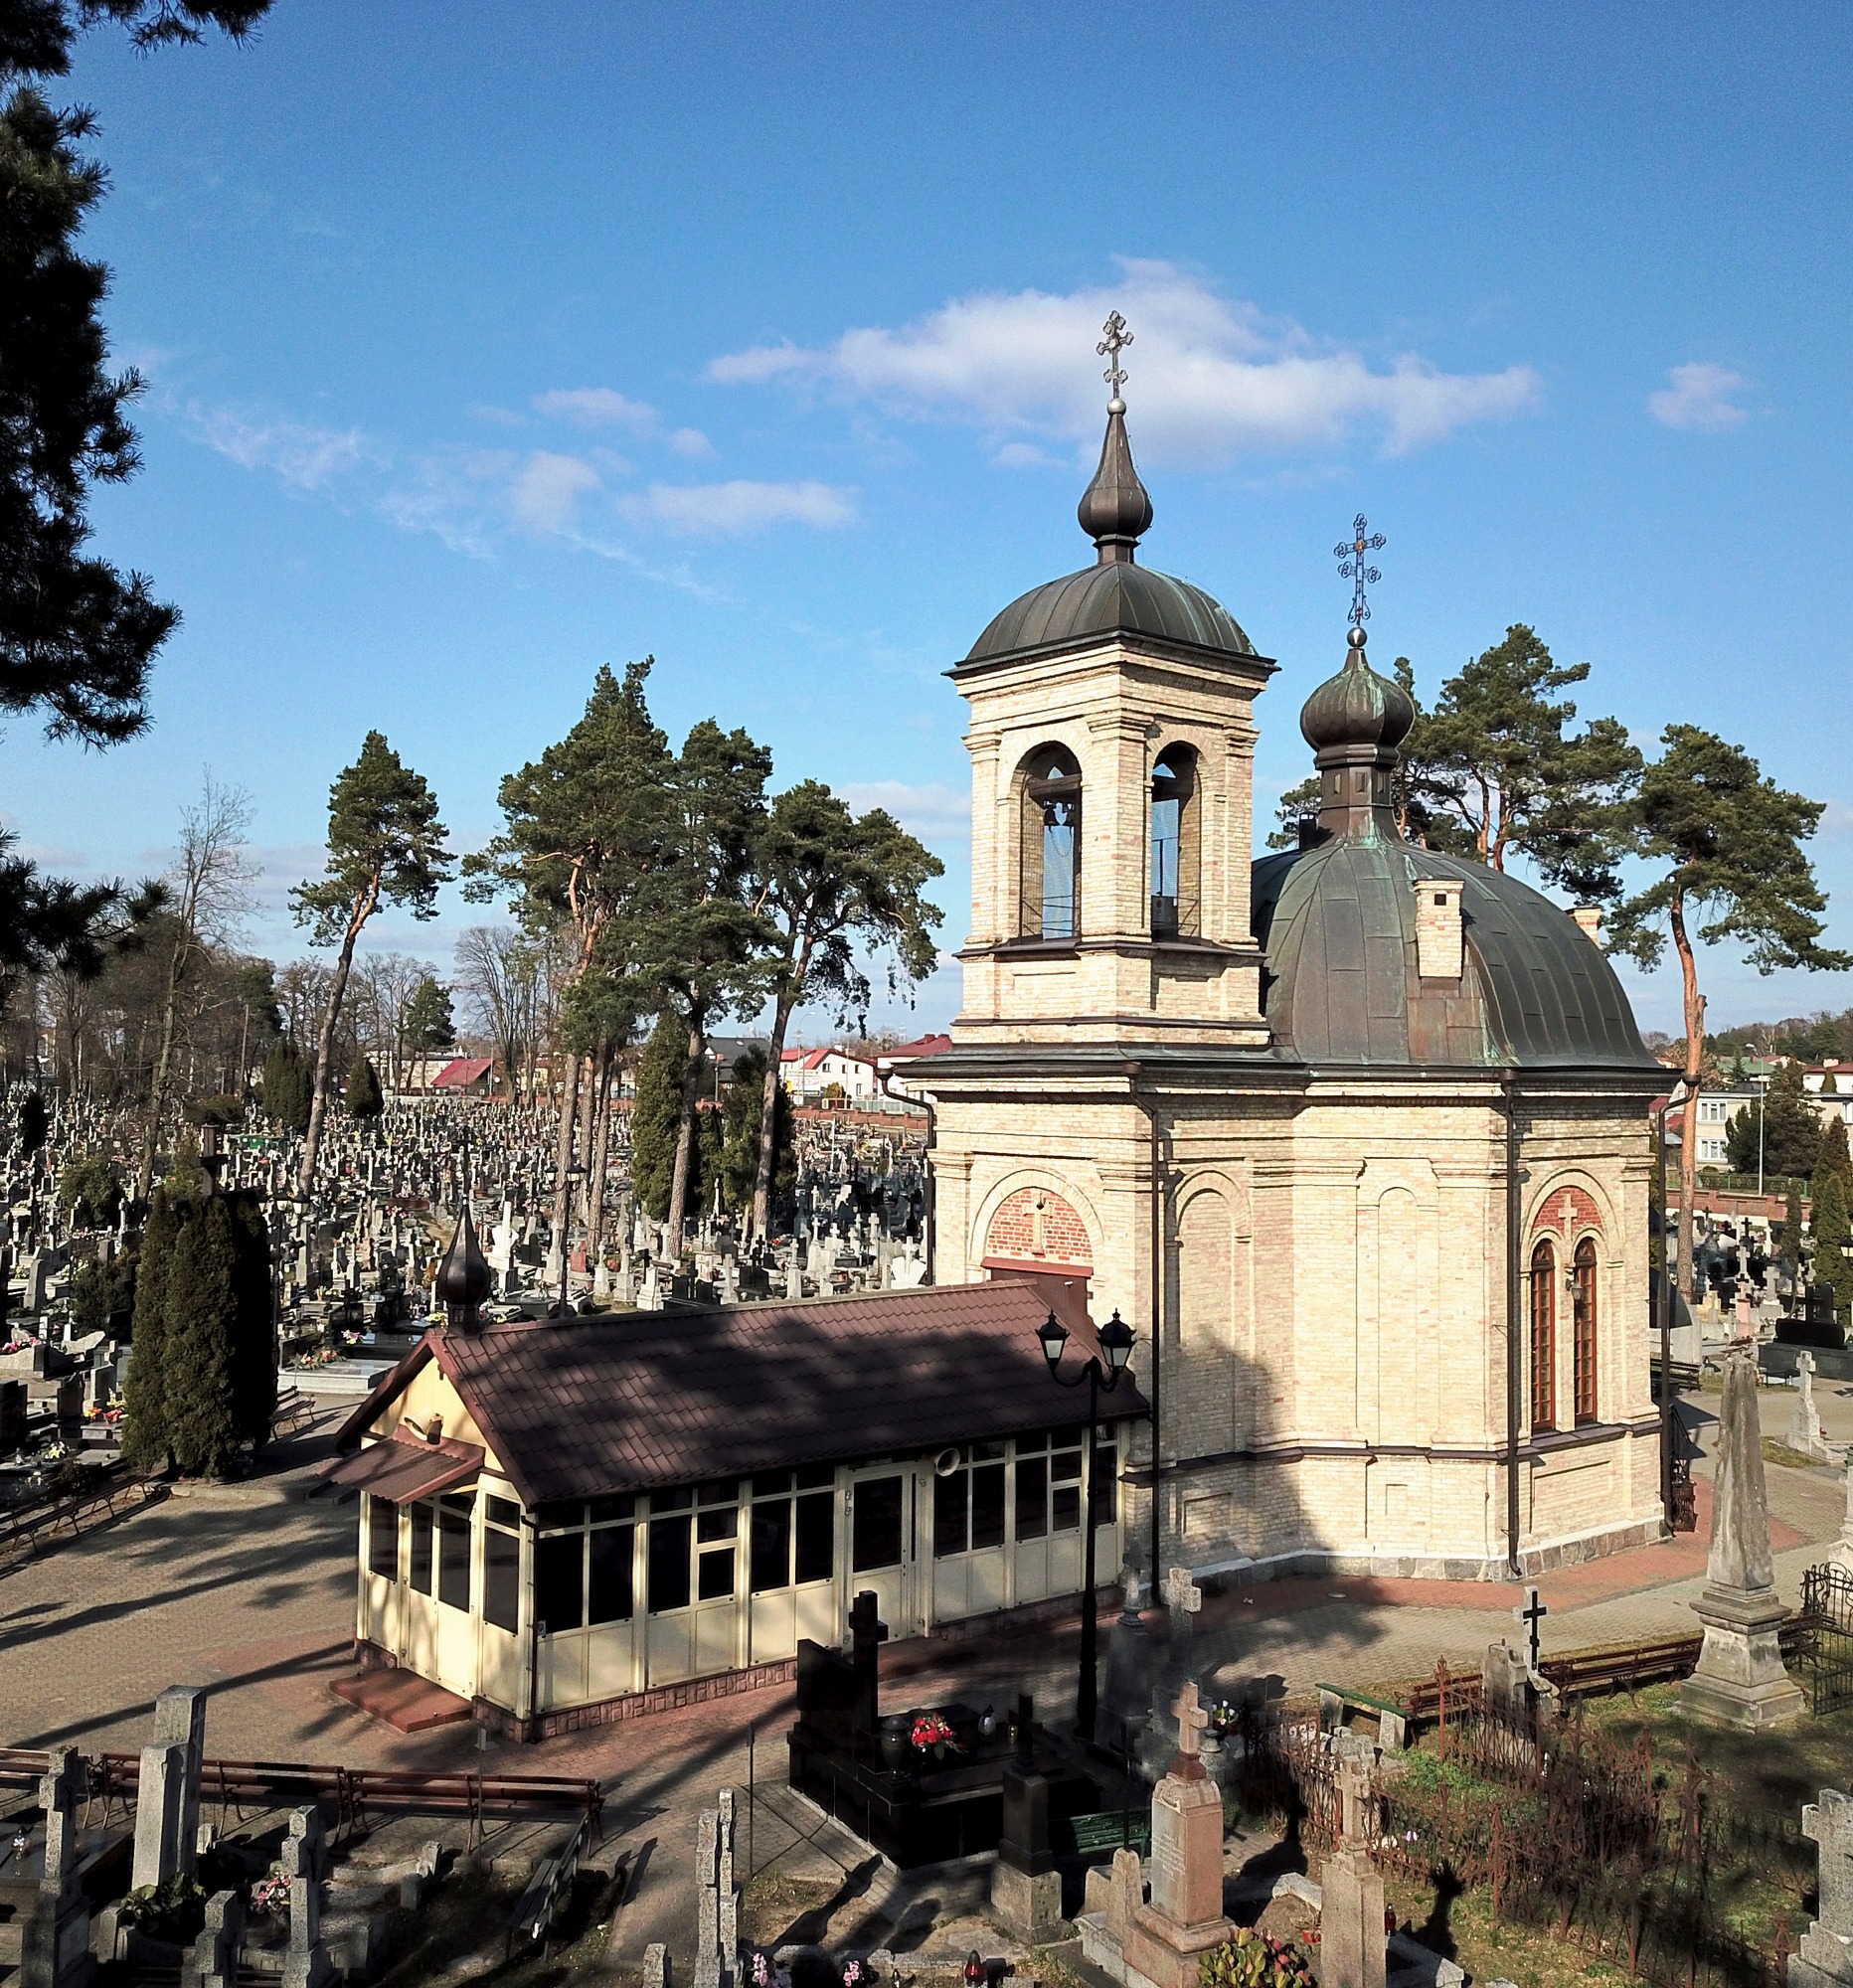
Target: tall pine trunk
{"x":769,"y":1119}
{"x":563,"y":1156}
{"x":325,"y":1043}
{"x":1689,"y":1117}
{"x":600,"y":1148}
{"x":685,"y":1132}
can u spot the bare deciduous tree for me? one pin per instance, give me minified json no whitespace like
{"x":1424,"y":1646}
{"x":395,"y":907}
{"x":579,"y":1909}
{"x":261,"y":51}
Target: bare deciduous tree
{"x":210,"y":884}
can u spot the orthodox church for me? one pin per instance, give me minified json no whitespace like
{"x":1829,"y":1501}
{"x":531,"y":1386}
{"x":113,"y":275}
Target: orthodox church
{"x":1352,"y":1136}
{"x":1354,"y":1132}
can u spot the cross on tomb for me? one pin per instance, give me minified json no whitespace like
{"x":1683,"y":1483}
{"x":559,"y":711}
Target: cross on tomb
{"x":1529,"y":1617}
{"x":1828,"y":1824}
{"x":59,"y":1794}
{"x":1181,"y":1591}
{"x":1191,"y":1721}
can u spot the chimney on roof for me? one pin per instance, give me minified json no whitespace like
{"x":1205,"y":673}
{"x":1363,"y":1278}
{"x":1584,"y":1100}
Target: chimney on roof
{"x":1589,"y":917}
{"x":1440,"y":946}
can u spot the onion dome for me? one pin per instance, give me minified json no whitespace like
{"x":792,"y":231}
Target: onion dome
{"x":1357,"y":707}
{"x":464,"y":1278}
{"x":1116,"y":595}
{"x":1115,"y":510}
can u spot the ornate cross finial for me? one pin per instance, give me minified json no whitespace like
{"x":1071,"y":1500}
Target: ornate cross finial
{"x":1109,"y":348}
{"x":1354,"y":565}
{"x":1190,"y":1719}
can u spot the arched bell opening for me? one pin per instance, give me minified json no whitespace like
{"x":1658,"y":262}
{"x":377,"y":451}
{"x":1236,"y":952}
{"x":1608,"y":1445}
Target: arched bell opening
{"x":1175,"y":900}
{"x":1048,"y":900}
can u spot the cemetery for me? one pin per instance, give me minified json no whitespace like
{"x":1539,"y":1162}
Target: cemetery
{"x":650,"y":1385}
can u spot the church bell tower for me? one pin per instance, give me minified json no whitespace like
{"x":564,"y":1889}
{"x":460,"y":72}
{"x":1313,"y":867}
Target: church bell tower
{"x":1111,"y":743}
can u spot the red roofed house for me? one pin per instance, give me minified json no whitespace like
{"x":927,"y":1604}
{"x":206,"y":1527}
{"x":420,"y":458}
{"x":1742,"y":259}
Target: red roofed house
{"x":466,"y":1076}
{"x":813,"y":1072}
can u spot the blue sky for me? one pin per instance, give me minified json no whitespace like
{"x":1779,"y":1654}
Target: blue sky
{"x":490,"y":343}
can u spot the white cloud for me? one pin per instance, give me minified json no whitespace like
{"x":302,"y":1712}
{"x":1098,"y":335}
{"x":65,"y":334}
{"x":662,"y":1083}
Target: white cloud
{"x":933,"y":812}
{"x":1699,"y":398}
{"x":1212,"y":378}
{"x":691,"y":443}
{"x":304,"y":455}
{"x":546,"y":489}
{"x":595,"y":407}
{"x":729,"y":510}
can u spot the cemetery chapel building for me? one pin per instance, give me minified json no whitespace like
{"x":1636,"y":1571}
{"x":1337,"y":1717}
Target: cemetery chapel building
{"x":1354,"y":1135}
{"x":1358,"y":1128}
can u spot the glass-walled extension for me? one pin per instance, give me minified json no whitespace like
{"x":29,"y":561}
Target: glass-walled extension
{"x":571,"y":1603}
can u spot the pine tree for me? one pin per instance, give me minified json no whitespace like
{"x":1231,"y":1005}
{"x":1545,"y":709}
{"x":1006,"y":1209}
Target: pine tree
{"x":145,"y":1432}
{"x":365,"y":1099}
{"x":1832,"y":1158}
{"x":1794,"y":1245}
{"x":201,"y":1302}
{"x":1790,"y":1131}
{"x":656,"y":1113}
{"x":741,"y":1114}
{"x":254,"y":1336}
{"x":287,"y":1086}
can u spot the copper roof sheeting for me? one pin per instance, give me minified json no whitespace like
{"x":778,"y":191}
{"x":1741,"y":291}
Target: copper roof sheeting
{"x":404,"y":1467}
{"x":1103,"y":601}
{"x":643,"y":1398}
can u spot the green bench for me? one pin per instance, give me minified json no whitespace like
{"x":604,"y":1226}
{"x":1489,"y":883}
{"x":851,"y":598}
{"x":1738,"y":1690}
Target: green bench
{"x":1335,"y":1700}
{"x":1111,"y":1831}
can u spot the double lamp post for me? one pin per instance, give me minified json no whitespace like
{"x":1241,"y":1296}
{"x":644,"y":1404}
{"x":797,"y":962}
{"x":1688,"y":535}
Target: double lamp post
{"x":1100,"y":1373}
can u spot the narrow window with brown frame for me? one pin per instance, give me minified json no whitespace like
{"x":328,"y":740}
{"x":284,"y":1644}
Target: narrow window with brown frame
{"x":1583,"y":1282}
{"x":1543,"y":1337}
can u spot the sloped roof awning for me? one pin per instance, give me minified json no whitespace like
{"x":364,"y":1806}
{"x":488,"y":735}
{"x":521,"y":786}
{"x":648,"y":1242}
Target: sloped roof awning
{"x":403,"y":1468}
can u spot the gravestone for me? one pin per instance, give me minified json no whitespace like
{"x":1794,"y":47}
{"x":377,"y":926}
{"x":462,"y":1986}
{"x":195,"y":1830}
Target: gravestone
{"x":1824,"y":1958}
{"x":717,"y":1902}
{"x":55,"y":1940}
{"x":167,"y":1796}
{"x":1184,"y":1600}
{"x":306,"y":1961}
{"x":1351,"y":1902}
{"x":1804,"y":1420}
{"x":212,"y":1960}
{"x":1184,"y":1919}
{"x":1025,"y":1888}
{"x":1739,"y":1679}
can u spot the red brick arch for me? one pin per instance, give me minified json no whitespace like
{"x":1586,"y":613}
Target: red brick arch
{"x":1036,"y":1225}
{"x":1570,"y":1211}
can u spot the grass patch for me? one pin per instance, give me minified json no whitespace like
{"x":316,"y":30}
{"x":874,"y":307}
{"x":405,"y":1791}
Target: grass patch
{"x":1794,"y":1459}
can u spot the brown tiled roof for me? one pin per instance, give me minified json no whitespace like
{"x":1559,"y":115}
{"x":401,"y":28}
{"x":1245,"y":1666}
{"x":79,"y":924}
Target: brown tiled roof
{"x":675,"y":1397}
{"x":404,"y":1468}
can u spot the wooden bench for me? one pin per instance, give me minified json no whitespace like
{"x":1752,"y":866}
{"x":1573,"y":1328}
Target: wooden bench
{"x":548,"y":1890}
{"x":1112,"y":1830}
{"x":1335,"y":1700}
{"x":294,"y":1412}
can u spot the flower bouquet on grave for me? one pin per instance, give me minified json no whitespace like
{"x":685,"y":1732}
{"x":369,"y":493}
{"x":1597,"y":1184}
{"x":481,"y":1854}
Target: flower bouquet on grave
{"x":764,"y":1972}
{"x":931,"y":1734}
{"x":270,"y":1894}
{"x":1252,"y":1960}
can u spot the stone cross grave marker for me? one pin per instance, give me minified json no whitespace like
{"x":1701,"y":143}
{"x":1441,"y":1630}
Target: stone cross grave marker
{"x":1529,"y":1617}
{"x":1191,"y":1721}
{"x":305,"y":1962}
{"x":167,"y":1796}
{"x":1826,"y":1951}
{"x":60,"y":1791}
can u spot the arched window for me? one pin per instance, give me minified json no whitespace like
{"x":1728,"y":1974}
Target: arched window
{"x":1544,"y":1337}
{"x":1174,"y":845}
{"x":1050,"y":905}
{"x":1582,"y":1282}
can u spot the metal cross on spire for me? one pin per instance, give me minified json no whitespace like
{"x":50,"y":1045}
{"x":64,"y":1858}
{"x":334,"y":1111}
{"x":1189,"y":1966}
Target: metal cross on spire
{"x":1109,"y":348}
{"x":1354,"y":565}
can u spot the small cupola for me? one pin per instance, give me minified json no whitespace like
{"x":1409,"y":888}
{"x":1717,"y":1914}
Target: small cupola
{"x":1115,"y":510}
{"x":1355,"y":720}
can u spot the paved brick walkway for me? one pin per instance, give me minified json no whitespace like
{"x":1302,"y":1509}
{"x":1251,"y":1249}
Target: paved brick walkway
{"x":249,"y":1591}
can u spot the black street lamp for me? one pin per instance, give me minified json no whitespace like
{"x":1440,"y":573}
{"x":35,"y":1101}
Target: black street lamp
{"x":1115,"y":1337}
{"x":573,"y":1176}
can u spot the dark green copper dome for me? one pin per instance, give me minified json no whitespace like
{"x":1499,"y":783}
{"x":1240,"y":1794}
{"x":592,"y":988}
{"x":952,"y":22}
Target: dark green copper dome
{"x":1116,"y":595}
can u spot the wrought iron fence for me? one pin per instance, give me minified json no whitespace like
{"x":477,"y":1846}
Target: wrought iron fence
{"x":1824,"y":1657}
{"x":1613,"y":1849}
